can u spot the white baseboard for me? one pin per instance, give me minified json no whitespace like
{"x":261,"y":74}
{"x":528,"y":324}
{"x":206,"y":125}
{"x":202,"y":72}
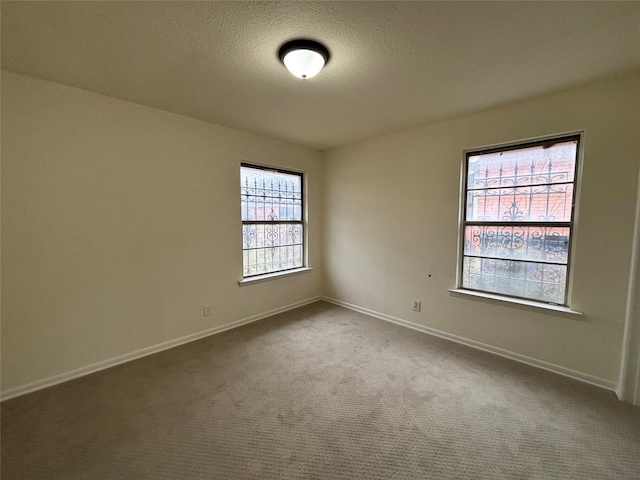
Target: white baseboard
{"x":96,"y":367}
{"x":128,"y":357}
{"x":551,"y":367}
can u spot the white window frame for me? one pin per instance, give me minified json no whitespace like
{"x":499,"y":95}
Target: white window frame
{"x":259,"y":277}
{"x":504,"y":298}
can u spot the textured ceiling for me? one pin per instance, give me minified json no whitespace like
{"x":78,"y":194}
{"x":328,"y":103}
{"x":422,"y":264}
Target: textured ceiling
{"x":394,"y":65}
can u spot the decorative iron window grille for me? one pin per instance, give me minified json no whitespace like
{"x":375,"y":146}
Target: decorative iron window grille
{"x":518,"y":219}
{"x":272,"y":220}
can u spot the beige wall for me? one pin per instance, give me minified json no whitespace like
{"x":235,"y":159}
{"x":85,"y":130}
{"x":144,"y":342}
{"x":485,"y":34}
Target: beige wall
{"x":391,"y":217}
{"x":119,"y":222}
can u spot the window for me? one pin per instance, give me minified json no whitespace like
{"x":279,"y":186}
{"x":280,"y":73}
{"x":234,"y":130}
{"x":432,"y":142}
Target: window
{"x":272,"y":220}
{"x":518,"y":219}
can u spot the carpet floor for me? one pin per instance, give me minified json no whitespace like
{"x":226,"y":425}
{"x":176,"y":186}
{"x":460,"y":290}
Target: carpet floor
{"x":320,"y":392}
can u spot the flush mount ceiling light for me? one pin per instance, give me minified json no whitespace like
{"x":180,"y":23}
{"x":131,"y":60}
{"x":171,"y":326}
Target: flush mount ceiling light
{"x":303,"y":58}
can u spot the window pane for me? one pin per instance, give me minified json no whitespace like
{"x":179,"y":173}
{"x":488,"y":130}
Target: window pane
{"x":518,"y":214}
{"x":545,"y":244}
{"x":541,"y":164}
{"x":272,"y":259}
{"x":271,"y":235}
{"x":539,"y":203}
{"x":537,"y":281}
{"x":272,"y":216}
{"x":270,"y":195}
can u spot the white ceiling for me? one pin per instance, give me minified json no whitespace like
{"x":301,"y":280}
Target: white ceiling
{"x":394,"y":65}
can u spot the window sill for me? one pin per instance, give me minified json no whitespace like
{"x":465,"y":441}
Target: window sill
{"x":516,"y":302}
{"x":272,"y":276}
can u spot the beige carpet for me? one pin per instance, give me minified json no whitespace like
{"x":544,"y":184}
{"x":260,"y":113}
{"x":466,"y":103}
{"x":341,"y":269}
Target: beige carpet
{"x":321,"y":392}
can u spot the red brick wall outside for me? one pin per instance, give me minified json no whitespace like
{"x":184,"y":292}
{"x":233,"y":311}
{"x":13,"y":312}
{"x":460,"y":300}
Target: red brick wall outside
{"x":512,"y":171}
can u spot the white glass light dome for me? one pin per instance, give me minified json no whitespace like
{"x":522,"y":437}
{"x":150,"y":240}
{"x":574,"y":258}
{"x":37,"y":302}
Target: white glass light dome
{"x":303,"y":63}
{"x":304,"y":58}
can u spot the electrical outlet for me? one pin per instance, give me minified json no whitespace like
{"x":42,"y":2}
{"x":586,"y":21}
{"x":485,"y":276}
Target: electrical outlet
{"x":206,"y":310}
{"x":416,"y":305}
